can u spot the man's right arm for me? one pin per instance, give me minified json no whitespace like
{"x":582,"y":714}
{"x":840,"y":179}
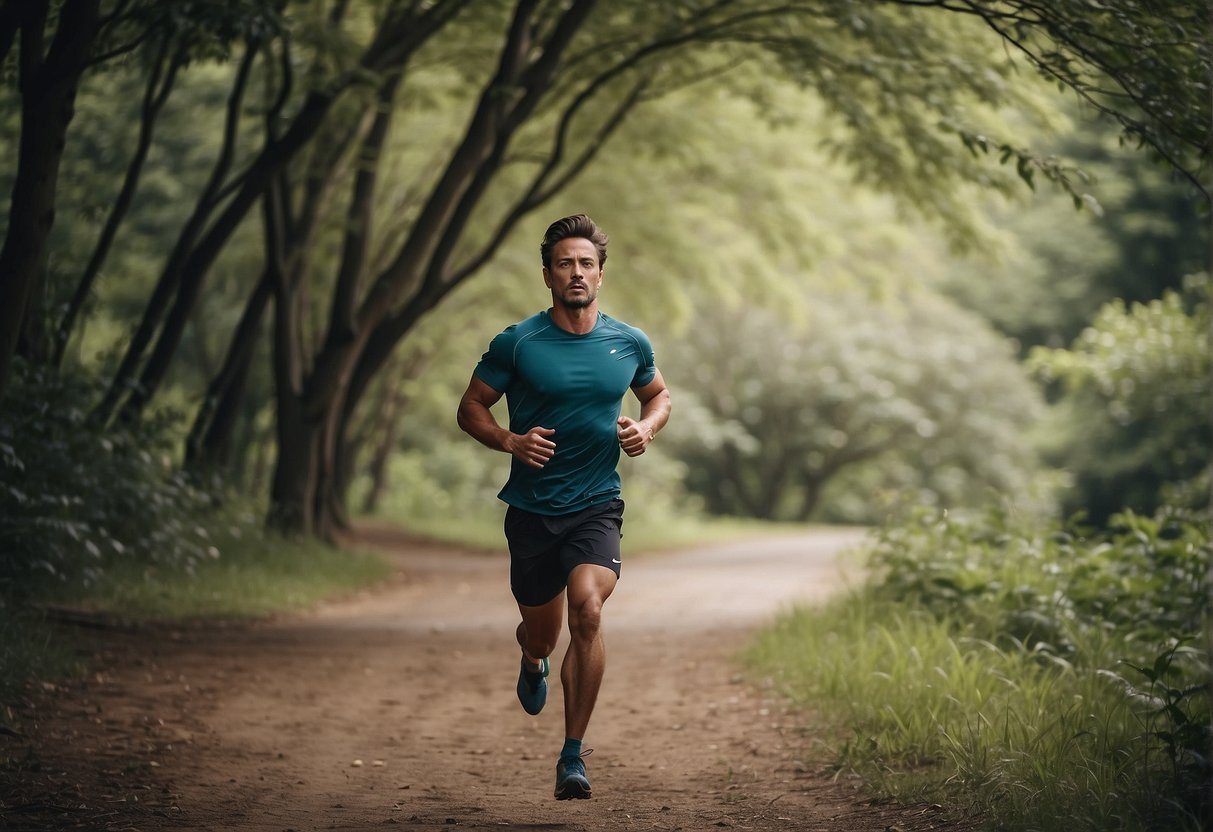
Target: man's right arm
{"x":533,"y":448}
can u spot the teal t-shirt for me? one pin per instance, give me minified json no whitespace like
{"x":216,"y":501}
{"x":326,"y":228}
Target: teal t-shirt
{"x":575,"y":385}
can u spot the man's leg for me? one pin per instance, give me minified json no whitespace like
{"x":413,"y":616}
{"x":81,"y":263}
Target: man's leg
{"x":581,"y":673}
{"x":537,"y":634}
{"x":584,"y":663}
{"x":539,"y":629}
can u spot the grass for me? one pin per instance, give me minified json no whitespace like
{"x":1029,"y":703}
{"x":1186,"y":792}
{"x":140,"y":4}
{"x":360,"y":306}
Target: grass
{"x":257,"y":576}
{"x":1025,"y":740}
{"x":250,"y":578}
{"x":30,"y":648}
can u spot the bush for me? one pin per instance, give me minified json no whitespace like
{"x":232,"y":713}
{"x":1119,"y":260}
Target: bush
{"x":1132,"y":426}
{"x":76,"y":498}
{"x":1046,"y":678}
{"x":1145,"y":579}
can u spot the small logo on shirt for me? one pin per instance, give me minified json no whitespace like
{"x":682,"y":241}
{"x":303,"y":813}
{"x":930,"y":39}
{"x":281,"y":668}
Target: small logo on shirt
{"x":612,"y":352}
{"x":615,"y":560}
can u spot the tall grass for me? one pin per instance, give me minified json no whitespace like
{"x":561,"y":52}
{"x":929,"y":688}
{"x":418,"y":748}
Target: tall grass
{"x":983,"y":667}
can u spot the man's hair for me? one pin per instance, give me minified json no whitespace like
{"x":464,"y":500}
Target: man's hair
{"x":578,"y":225}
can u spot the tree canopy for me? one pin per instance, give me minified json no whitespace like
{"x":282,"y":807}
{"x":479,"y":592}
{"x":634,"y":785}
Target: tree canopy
{"x":340,"y":168}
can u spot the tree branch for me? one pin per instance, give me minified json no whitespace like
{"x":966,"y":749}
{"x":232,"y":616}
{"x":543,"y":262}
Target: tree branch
{"x":170,"y":278}
{"x":359,"y":218}
{"x":159,"y":85}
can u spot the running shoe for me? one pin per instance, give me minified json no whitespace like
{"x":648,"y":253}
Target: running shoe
{"x":571,"y":782}
{"x":533,"y":687}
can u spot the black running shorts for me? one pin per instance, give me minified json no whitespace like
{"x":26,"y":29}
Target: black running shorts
{"x":544,"y":549}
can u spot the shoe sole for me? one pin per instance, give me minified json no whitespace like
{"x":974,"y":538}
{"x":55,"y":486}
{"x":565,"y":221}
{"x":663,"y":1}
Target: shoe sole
{"x":573,"y":790}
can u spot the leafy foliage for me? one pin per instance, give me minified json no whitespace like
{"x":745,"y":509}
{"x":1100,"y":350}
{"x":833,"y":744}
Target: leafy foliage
{"x":1136,"y":402}
{"x":1047,"y":590}
{"x":1049,"y":269}
{"x":919,"y":395}
{"x":1144,"y":64}
{"x":1048,"y":678}
{"x":74,"y":499}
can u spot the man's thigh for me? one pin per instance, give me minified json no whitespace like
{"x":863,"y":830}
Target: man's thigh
{"x":545,"y":550}
{"x":536,"y":574}
{"x":594,"y":539}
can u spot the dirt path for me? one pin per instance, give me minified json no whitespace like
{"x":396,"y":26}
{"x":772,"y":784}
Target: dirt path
{"x":397,"y":708}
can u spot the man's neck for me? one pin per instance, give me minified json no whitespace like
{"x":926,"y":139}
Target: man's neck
{"x":577,"y":321}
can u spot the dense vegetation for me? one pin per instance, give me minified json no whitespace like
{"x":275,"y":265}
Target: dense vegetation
{"x":253,"y":250}
{"x":1042,"y":677}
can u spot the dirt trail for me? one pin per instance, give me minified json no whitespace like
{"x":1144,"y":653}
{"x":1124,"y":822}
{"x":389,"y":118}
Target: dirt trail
{"x":397,"y":708}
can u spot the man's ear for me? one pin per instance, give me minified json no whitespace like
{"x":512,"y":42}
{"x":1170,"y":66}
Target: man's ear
{"x":547,"y":279}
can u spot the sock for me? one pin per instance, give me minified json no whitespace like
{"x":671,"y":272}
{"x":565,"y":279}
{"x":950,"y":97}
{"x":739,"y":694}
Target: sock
{"x":572,"y":748}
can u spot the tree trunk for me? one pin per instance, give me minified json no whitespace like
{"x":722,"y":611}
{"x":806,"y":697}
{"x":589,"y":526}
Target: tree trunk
{"x":394,"y":44}
{"x":809,"y":498}
{"x":209,"y":443}
{"x":388,"y":433}
{"x":292,"y":492}
{"x":48,"y":96}
{"x":331,"y":513}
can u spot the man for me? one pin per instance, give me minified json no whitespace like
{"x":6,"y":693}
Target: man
{"x":564,"y":373}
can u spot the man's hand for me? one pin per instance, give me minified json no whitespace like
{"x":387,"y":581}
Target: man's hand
{"x":533,"y":447}
{"x":634,"y":436}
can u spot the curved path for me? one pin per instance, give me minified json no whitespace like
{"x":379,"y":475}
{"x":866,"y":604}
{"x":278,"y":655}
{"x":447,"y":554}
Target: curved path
{"x":396,"y":708}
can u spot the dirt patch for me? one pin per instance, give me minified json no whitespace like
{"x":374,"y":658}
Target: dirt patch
{"x":396,"y":708}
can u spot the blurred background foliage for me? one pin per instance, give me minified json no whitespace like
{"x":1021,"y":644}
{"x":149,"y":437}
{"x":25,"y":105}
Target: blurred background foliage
{"x":821,"y":220}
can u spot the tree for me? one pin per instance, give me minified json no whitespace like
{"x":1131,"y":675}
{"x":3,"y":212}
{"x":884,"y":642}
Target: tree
{"x":48,"y":75}
{"x":897,"y":83}
{"x":1145,"y":65}
{"x":1133,"y":427}
{"x":58,"y":43}
{"x":782,"y":408}
{"x":1056,"y":268}
{"x":563,"y":118}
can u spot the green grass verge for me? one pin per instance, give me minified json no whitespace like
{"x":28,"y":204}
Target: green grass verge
{"x":1021,"y":738}
{"x":252,"y":577}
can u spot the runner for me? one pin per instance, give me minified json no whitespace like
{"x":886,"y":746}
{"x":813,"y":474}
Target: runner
{"x":564,"y":372}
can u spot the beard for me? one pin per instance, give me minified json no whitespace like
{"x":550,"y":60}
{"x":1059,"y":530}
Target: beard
{"x":578,"y":302}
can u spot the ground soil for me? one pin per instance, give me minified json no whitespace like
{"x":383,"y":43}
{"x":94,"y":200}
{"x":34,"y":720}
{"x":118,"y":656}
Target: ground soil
{"x":397,"y":708}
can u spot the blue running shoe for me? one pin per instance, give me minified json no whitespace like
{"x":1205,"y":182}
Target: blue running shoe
{"x":533,"y":687}
{"x":571,"y":782}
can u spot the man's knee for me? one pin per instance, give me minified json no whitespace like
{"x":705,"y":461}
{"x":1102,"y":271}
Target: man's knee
{"x":539,"y":647}
{"x":585,"y":618}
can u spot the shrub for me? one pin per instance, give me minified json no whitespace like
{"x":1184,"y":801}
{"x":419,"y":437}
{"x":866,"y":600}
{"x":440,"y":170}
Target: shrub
{"x":1047,"y":677}
{"x":75,"y":498}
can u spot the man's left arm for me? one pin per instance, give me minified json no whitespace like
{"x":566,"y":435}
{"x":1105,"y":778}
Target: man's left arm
{"x":636,"y":434}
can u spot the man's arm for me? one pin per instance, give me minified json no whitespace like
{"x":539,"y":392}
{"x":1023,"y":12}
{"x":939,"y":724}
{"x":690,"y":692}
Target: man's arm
{"x":533,"y":448}
{"x":636,"y":434}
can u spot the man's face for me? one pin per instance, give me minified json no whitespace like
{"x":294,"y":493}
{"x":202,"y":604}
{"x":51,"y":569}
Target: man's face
{"x":574,"y":276}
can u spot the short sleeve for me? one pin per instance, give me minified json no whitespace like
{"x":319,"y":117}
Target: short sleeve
{"x":496,"y":367}
{"x":647,"y":369}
